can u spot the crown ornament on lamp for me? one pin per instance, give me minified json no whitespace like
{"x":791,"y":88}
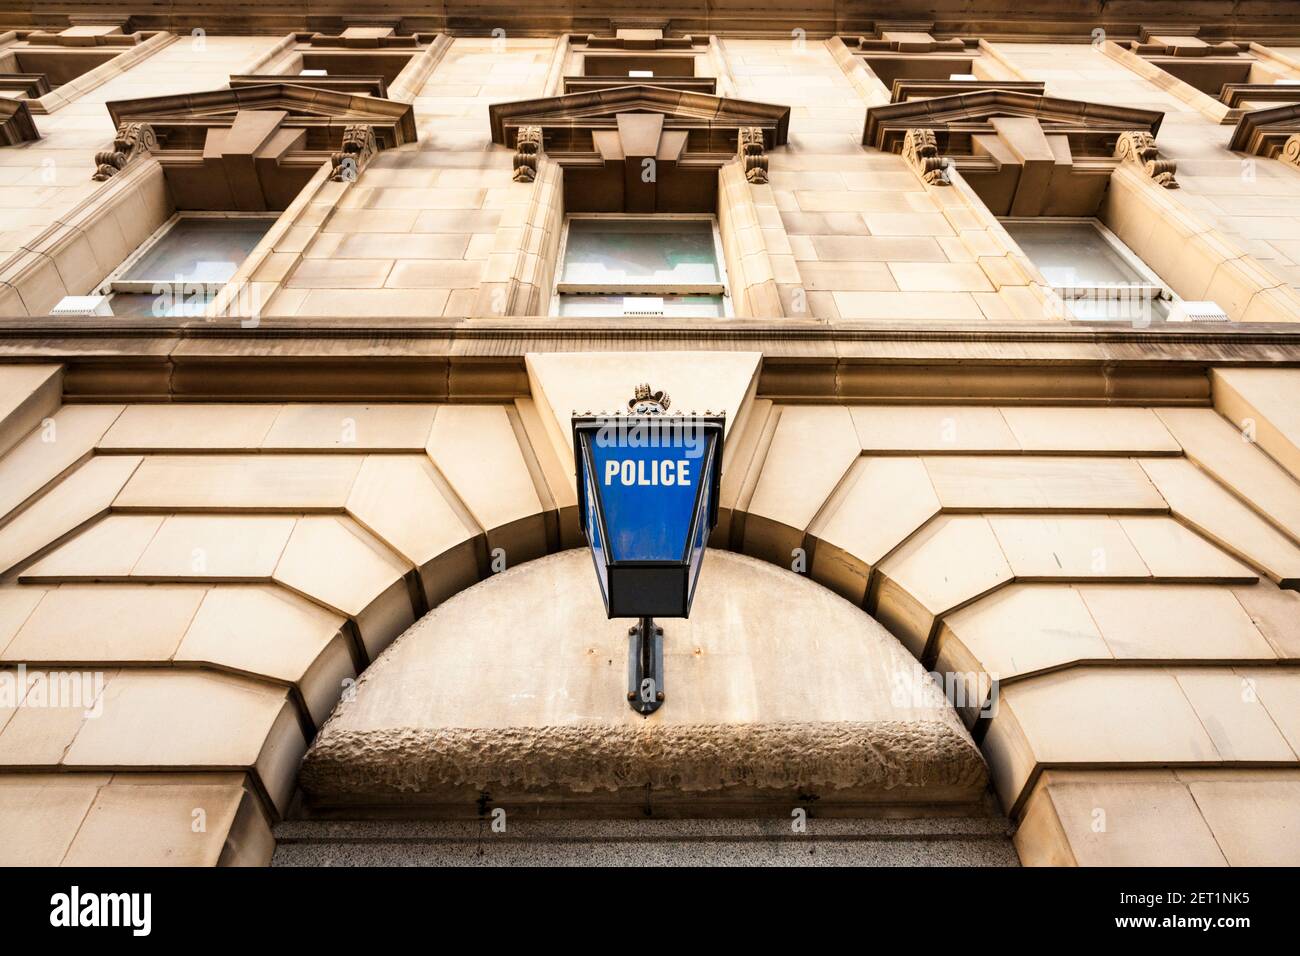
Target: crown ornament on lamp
{"x":646,"y":402}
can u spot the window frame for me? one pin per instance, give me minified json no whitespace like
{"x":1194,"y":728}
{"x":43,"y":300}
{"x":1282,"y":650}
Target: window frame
{"x":647,"y":289}
{"x":1153,"y":282}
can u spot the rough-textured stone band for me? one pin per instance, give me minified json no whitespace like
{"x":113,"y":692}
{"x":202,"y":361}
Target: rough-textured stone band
{"x":587,"y":758}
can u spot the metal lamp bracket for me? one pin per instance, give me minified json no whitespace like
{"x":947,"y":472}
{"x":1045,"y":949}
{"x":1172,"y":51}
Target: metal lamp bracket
{"x":645,"y":666}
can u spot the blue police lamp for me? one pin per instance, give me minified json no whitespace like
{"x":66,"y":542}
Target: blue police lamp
{"x":648,"y":486}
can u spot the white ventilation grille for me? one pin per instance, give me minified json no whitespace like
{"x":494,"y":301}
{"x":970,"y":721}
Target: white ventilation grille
{"x":643,"y":305}
{"x":1197,"y":311}
{"x":82,"y":305}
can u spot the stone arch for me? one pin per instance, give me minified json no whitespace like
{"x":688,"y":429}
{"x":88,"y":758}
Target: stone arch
{"x":778,"y":692}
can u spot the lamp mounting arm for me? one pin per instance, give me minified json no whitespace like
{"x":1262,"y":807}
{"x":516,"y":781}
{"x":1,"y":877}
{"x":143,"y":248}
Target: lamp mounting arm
{"x":645,"y":666}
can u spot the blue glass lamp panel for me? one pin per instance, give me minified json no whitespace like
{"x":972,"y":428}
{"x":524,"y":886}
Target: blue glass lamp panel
{"x":700,"y":536}
{"x":648,"y":495}
{"x":595,"y":537}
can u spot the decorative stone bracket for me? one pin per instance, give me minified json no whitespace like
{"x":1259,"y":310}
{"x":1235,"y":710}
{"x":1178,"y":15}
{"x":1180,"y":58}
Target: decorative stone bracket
{"x":16,"y":124}
{"x":1139,"y":147}
{"x":921,"y":150}
{"x":1271,"y":133}
{"x":528,"y":147}
{"x":753,"y":153}
{"x":1291,"y":150}
{"x":131,"y":141}
{"x":358,"y":148}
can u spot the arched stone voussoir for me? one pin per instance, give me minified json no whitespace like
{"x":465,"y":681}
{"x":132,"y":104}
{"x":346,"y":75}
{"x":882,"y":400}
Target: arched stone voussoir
{"x":50,"y":451}
{"x":812,"y":450}
{"x":133,"y":819}
{"x":479,"y":453}
{"x":329,"y":559}
{"x":776,"y":691}
{"x":260,"y":631}
{"x":28,"y":394}
{"x":1131,"y":717}
{"x":403,"y":501}
{"x":151,"y":720}
{"x":957,"y":558}
{"x":878,"y":506}
{"x":337,"y":563}
{"x":1025,"y":630}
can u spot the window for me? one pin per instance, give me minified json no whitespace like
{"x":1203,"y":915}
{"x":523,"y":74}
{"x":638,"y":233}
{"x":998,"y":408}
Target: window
{"x":180,"y":268}
{"x":1097,"y":275}
{"x":623,"y":265}
{"x":646,"y":64}
{"x":609,"y":62}
{"x":356,"y":62}
{"x":918,"y":67}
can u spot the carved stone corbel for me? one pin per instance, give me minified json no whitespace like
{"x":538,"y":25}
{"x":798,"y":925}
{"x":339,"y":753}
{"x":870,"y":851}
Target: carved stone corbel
{"x":528,"y":147}
{"x":753,"y":154}
{"x":1140,"y":147}
{"x":358,"y":148}
{"x":1290,"y":152}
{"x":921,"y":150}
{"x":131,"y":141}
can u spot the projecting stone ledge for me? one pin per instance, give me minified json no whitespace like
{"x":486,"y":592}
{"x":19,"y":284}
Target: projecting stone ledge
{"x":779,"y":693}
{"x":703,"y":759}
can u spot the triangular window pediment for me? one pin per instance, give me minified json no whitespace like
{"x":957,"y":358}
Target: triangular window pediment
{"x":640,"y":147}
{"x":1024,"y":153}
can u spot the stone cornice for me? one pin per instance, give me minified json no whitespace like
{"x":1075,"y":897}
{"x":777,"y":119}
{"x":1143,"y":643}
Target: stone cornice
{"x":966,"y":114}
{"x":305,"y":106}
{"x":329,"y":328}
{"x":1125,"y":19}
{"x":343,"y":359}
{"x":574,"y":115}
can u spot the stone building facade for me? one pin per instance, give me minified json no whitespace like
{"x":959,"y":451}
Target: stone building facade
{"x":999,"y":301}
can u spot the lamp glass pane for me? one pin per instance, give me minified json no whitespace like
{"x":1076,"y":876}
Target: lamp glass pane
{"x":648,"y":492}
{"x":700,"y":540}
{"x":596,"y":540}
